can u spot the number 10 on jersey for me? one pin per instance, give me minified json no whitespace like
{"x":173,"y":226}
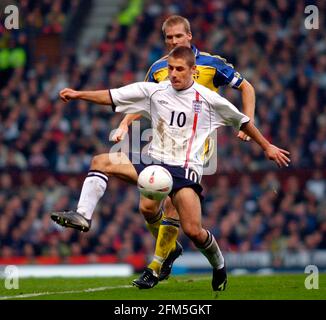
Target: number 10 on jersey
{"x":180,"y":119}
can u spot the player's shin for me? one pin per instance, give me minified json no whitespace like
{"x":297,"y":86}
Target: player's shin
{"x":153,"y":224}
{"x":212,"y":252}
{"x":93,"y":189}
{"x":165,"y":243}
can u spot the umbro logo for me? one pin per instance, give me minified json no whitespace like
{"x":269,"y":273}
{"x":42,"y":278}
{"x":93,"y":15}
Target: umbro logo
{"x":163,"y":102}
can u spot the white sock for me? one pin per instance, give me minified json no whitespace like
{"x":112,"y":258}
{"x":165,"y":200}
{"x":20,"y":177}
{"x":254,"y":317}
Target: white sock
{"x":93,"y":189}
{"x":212,"y":252}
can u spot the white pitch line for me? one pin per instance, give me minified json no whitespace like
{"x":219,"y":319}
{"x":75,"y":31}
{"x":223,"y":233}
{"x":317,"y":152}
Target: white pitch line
{"x":37,"y":294}
{"x":31,"y":295}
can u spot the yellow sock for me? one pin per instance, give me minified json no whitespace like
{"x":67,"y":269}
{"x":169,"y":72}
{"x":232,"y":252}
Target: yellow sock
{"x":153,"y":224}
{"x":165,"y":243}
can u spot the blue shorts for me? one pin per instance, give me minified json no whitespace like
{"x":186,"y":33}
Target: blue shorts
{"x":178,"y":173}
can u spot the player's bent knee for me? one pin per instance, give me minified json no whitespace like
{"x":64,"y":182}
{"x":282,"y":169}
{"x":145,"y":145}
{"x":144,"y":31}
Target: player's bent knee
{"x":109,"y":162}
{"x":101,"y":162}
{"x":146,"y":209}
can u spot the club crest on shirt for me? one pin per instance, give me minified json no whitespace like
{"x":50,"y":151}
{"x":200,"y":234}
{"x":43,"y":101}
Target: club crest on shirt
{"x":197,"y":105}
{"x":196,"y":75}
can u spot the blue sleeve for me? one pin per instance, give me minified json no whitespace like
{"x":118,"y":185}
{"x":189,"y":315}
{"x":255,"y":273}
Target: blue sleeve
{"x":155,"y":67}
{"x":150,"y":75}
{"x":225,"y":74}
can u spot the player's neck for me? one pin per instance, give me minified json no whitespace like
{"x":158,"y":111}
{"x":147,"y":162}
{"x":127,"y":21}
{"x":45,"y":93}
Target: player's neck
{"x":186,"y":87}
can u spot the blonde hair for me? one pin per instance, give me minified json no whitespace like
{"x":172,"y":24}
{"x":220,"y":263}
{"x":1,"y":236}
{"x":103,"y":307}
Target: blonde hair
{"x":174,"y":20}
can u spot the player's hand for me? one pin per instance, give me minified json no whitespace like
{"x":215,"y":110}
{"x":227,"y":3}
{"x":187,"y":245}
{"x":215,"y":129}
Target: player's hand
{"x":120,"y":133}
{"x":241,"y":135}
{"x":280,"y":156}
{"x":68,"y":94}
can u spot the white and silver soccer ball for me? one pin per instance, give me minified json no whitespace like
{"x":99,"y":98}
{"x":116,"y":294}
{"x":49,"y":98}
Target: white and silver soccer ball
{"x":155,"y":182}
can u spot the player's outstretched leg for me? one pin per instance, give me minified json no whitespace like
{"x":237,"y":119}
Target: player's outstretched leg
{"x":71,"y":219}
{"x":94,"y":186}
{"x":92,"y":191}
{"x":147,"y":280}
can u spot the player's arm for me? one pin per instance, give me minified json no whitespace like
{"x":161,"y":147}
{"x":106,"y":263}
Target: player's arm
{"x":248,"y":104}
{"x":227,"y":75}
{"x":96,"y":96}
{"x":122,"y":130}
{"x":280,"y":156}
{"x":130,"y":99}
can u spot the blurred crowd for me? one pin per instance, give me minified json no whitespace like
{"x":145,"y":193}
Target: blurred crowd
{"x":267,"y":43}
{"x":248,"y":215}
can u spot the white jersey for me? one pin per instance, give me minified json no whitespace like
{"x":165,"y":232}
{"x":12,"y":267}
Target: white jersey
{"x":181,"y":120}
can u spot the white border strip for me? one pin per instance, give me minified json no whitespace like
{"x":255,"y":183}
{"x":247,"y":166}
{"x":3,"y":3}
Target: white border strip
{"x":71,"y":271}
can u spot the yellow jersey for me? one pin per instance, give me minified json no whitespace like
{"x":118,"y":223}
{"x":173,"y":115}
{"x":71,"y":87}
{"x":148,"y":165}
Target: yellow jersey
{"x":212,"y":71}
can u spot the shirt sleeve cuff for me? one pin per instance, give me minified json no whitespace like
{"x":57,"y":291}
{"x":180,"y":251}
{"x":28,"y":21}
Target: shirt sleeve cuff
{"x":113,"y":104}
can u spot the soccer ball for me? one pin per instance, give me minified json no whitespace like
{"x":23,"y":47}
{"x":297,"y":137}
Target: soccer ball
{"x":155,"y":182}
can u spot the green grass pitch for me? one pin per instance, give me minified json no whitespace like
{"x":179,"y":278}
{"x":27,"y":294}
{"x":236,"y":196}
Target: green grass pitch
{"x":188,"y":287}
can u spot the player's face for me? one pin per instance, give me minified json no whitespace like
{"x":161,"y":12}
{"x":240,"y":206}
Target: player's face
{"x":180,"y":74}
{"x":177,"y":36}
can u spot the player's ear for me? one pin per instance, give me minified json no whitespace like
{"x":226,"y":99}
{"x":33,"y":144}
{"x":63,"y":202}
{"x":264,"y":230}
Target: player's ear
{"x":193,"y":69}
{"x":189,"y":34}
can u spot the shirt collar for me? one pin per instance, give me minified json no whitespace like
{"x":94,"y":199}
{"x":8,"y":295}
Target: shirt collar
{"x":195,"y":50}
{"x":183,"y":90}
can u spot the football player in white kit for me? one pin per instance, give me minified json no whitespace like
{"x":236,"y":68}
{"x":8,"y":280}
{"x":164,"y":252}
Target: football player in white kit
{"x":183,"y":114}
{"x":213,"y":72}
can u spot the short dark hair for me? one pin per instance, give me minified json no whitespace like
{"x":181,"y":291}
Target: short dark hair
{"x":185,"y":53}
{"x":174,"y":20}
